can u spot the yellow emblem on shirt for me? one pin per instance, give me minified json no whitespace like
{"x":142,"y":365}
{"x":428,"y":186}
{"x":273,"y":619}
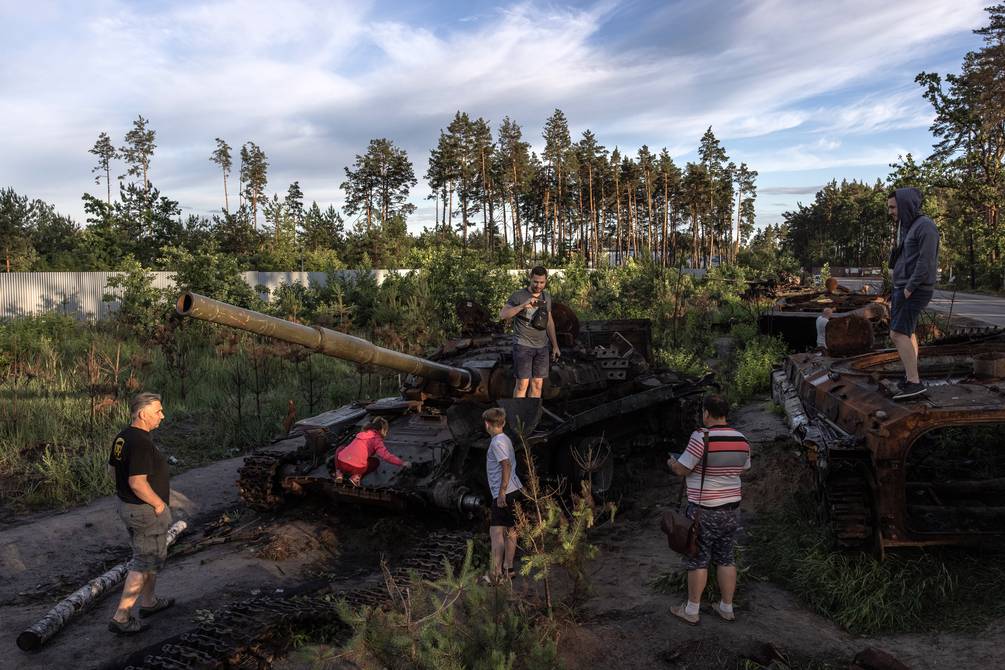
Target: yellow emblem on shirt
{"x":117,"y":448}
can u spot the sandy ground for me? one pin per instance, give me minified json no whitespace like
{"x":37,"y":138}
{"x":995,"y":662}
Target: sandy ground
{"x":629,"y":620}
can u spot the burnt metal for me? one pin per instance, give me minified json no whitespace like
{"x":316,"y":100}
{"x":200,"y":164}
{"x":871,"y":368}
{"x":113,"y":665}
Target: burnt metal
{"x":919,"y":472}
{"x":794,"y":314}
{"x":603,"y":389}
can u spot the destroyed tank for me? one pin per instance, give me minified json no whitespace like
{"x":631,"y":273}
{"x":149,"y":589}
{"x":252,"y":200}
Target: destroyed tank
{"x":602,"y":401}
{"x":925,"y":471}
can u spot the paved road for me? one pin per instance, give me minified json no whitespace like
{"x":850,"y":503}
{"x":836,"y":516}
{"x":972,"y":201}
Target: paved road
{"x":988,"y":309}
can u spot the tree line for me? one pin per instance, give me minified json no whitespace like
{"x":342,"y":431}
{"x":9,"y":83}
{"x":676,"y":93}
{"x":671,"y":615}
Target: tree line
{"x":963,"y":180}
{"x":490,"y":193}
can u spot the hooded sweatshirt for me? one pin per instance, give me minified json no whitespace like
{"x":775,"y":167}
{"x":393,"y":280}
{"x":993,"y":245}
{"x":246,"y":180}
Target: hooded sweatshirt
{"x":915,"y":259}
{"x":366,"y":444}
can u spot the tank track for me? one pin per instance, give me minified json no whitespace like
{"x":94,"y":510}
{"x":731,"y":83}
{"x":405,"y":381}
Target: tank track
{"x":257,"y":479}
{"x":250,"y":633}
{"x":848,"y":505}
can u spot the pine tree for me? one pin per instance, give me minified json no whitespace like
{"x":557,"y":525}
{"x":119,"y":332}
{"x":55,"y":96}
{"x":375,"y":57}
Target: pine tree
{"x":221,"y":156}
{"x":138,"y":150}
{"x":254,"y":176}
{"x":106,"y":153}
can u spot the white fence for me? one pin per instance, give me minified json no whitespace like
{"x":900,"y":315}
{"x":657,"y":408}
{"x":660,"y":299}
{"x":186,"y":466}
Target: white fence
{"x":80,"y":294}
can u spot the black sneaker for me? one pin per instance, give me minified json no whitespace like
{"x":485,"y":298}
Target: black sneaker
{"x":131,"y":627}
{"x":910,"y":390}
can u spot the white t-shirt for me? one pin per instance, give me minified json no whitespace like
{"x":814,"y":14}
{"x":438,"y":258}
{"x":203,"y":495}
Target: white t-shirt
{"x":822,"y":331}
{"x":501,"y":449}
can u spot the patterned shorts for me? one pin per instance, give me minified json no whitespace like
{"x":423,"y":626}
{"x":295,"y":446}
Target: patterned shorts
{"x":716,"y":539}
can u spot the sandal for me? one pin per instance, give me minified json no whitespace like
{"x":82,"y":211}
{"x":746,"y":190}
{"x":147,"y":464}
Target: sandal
{"x":160,"y":605}
{"x":131,"y":627}
{"x":338,"y":477}
{"x":510,"y":574}
{"x":355,"y":480}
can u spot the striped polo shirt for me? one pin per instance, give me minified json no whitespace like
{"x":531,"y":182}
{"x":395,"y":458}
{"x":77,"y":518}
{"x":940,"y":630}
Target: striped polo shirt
{"x":728,"y":457}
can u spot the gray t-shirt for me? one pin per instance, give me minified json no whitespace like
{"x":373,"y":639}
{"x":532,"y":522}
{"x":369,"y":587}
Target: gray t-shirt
{"x":525,"y":334}
{"x":501,"y":449}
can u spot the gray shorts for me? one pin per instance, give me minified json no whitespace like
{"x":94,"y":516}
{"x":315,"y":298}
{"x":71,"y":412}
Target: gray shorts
{"x":147,"y":534}
{"x":530,"y":362}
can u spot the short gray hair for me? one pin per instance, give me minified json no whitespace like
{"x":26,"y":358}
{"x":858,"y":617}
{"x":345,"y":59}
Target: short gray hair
{"x":140,"y":402}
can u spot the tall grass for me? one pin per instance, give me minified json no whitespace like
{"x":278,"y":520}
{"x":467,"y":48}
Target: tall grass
{"x":912,"y":590}
{"x":65,"y":387}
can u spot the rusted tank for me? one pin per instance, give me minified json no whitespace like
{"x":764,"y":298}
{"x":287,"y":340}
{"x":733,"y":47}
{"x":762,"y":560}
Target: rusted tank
{"x":921,"y":472}
{"x":603,"y":399}
{"x":794,"y":314}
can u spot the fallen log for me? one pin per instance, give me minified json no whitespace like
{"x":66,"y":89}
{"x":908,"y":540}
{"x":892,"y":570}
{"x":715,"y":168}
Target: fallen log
{"x":42,"y":630}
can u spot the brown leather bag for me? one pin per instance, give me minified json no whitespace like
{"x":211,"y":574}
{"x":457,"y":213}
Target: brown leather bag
{"x":682,"y":532}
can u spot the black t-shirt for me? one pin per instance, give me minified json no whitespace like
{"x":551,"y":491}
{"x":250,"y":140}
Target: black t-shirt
{"x":134,"y":453}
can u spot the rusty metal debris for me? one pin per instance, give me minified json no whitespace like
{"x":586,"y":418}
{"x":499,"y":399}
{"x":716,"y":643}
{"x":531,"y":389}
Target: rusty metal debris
{"x":605,"y":387}
{"x":921,"y":472}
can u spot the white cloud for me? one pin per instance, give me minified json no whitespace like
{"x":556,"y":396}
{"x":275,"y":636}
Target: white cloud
{"x":312,"y":82}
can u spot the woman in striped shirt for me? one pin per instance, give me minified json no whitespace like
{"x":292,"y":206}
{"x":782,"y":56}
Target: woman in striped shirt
{"x":714,"y":488}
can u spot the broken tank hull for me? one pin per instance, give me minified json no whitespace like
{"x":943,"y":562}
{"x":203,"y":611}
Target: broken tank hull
{"x":920,"y":472}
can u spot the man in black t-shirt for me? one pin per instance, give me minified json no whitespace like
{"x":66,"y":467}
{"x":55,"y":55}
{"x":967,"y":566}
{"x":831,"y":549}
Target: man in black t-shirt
{"x":141,"y":483}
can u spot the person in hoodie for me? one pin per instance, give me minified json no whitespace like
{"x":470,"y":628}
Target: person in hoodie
{"x":362,"y":456}
{"x":914,"y":260}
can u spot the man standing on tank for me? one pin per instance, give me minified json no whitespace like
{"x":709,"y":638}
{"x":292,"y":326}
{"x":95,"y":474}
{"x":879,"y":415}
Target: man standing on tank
{"x":141,"y":483}
{"x":533,"y":329}
{"x":914,"y":262}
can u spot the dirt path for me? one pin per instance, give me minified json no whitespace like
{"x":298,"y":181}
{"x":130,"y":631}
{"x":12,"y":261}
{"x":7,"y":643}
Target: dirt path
{"x":629,"y":620}
{"x":45,"y":557}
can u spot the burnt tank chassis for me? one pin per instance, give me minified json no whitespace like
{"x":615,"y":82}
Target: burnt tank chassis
{"x":602,"y":399}
{"x":794,"y":314}
{"x":890,"y":474}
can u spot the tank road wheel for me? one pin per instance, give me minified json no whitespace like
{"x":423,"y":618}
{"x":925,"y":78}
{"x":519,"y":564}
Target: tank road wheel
{"x":589,"y":459}
{"x":847,"y":504}
{"x":258,"y":480}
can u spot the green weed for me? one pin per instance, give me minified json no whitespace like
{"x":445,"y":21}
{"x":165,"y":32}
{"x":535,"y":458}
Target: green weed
{"x":912,"y":590}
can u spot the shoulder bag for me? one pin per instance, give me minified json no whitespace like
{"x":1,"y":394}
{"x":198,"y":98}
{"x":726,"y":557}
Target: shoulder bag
{"x":682,"y":532}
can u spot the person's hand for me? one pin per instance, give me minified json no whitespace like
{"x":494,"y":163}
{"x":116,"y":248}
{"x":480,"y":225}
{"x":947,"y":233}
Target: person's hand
{"x":159,"y":509}
{"x":555,"y":353}
{"x":406,"y":464}
{"x":907,"y":294}
{"x":501,"y":500}
{"x":670,"y":462}
{"x":532,"y":302}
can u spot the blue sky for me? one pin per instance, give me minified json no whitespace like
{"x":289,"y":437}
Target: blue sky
{"x":803,"y":92}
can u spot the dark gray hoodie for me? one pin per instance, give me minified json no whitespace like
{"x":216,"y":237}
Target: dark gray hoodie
{"x":916,"y":256}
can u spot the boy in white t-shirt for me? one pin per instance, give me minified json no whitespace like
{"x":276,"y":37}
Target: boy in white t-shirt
{"x":504,"y":487}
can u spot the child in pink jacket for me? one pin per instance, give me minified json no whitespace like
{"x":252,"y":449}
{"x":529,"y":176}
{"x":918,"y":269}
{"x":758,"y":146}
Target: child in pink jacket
{"x":362,"y":456}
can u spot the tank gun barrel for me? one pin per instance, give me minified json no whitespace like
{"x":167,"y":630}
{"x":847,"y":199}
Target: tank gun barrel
{"x":322,"y":340}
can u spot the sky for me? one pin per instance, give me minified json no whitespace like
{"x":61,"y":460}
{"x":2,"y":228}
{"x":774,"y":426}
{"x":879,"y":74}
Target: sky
{"x":803,"y":92}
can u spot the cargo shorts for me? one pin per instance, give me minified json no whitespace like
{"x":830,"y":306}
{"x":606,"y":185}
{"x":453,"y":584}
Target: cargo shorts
{"x":147,"y":534}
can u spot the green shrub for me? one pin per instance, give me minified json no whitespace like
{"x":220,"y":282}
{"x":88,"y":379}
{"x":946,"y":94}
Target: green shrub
{"x":454,"y":623}
{"x":754,"y":363}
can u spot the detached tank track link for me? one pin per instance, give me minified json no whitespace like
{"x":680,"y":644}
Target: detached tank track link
{"x":246,"y":633}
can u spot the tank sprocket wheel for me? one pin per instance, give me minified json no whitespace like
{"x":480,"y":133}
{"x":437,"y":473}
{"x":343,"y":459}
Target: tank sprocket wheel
{"x":258,"y":480}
